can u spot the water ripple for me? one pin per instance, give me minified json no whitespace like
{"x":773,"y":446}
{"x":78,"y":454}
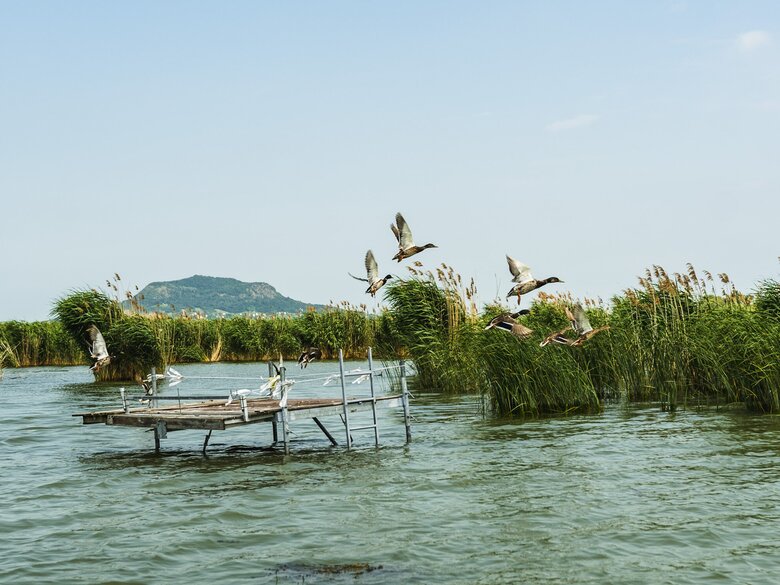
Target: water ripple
{"x":631,"y":495}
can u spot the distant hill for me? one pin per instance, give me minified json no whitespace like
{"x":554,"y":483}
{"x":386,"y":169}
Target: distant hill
{"x":216,"y":297}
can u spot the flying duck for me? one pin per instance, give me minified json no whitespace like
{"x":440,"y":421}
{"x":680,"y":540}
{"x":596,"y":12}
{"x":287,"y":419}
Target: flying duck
{"x":521,"y":274}
{"x":372,"y":274}
{"x":311,"y":354}
{"x":97,"y":348}
{"x":403,"y":234}
{"x":506,"y":321}
{"x":579,"y":323}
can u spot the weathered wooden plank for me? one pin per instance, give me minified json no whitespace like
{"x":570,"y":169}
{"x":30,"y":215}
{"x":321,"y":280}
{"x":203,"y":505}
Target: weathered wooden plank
{"x":173,"y":424}
{"x":216,"y":415}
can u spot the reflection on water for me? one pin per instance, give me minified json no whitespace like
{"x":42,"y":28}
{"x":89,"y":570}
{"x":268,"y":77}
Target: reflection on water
{"x":631,"y":495}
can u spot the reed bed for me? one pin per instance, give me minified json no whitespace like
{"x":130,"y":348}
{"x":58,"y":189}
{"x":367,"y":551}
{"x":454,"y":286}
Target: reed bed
{"x":676,"y":339}
{"x":130,"y":338}
{"x":25,"y":344}
{"x":138,"y":341}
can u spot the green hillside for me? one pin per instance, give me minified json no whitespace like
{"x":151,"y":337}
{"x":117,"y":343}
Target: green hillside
{"x":216,"y":296}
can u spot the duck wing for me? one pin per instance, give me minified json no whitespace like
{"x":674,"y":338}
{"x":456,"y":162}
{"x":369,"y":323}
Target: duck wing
{"x":499,"y":319}
{"x":404,"y":235}
{"x":372,"y":270}
{"x":98,"y":348}
{"x":520,"y":272}
{"x":395,"y":233}
{"x":580,"y":322}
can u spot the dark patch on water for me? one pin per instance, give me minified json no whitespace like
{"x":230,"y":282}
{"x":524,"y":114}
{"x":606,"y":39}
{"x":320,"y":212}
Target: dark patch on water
{"x":330,"y":573}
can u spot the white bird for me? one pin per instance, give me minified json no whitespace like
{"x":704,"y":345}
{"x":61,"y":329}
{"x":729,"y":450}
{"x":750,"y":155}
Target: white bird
{"x":372,"y":275}
{"x":237,"y":394}
{"x":97,"y":349}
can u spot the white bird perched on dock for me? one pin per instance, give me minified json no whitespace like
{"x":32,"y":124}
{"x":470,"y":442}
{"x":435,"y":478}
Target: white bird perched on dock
{"x":237,"y":394}
{"x":174,"y":376}
{"x":97,"y":348}
{"x":362,"y":378}
{"x":372,"y":275}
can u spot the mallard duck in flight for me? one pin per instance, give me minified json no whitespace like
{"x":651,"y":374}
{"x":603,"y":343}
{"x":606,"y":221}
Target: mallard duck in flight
{"x":311,"y":354}
{"x":580,"y":323}
{"x":372,"y":275}
{"x":97,"y":348}
{"x":521,"y":274}
{"x":403,"y":234}
{"x":506,"y":321}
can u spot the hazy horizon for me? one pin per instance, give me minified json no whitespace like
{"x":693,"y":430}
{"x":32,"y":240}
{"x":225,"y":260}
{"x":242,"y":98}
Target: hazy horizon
{"x":275,"y":142}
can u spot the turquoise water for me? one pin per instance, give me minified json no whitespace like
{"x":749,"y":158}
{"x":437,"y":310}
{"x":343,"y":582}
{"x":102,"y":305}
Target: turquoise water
{"x":632,"y":495}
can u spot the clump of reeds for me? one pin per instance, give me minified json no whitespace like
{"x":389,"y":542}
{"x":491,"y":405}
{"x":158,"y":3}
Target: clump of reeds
{"x":435,"y":319}
{"x":445,"y":336}
{"x":40,"y":343}
{"x":677,"y":338}
{"x":7,"y":355}
{"x":130,"y":340}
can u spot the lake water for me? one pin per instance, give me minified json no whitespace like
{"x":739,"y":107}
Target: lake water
{"x":632,"y":495}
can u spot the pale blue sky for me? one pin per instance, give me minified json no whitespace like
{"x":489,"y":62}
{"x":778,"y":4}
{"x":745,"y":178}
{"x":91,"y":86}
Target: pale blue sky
{"x":274,"y":141}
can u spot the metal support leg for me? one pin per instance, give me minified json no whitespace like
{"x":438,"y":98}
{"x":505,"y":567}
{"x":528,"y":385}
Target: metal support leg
{"x":324,"y":430}
{"x":154,"y":402}
{"x":373,"y":396}
{"x":284,"y":416}
{"x":405,"y":402}
{"x":125,"y":407}
{"x":160,"y":432}
{"x":206,"y":442}
{"x":344,"y":398}
{"x":280,"y":420}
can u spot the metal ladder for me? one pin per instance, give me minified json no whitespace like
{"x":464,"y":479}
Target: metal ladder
{"x":345,"y":416}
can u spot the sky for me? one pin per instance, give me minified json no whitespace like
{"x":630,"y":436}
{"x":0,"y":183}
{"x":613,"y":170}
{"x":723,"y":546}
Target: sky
{"x":275,"y":141}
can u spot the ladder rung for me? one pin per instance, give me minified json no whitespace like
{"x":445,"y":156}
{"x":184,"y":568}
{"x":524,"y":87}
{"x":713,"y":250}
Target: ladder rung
{"x":361,"y":428}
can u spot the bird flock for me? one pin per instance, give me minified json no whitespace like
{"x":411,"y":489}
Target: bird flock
{"x":524,"y":283}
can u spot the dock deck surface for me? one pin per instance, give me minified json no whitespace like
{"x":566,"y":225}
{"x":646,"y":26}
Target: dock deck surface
{"x":217,"y":415}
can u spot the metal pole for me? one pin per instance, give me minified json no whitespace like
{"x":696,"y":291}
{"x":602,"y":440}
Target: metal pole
{"x":324,"y":430}
{"x":124,"y":400}
{"x":160,"y":432}
{"x":405,"y":402}
{"x":206,"y":442}
{"x":373,"y":396}
{"x":285,"y":421}
{"x":154,"y":387}
{"x":273,"y":422}
{"x":244,"y":409}
{"x":344,"y":397}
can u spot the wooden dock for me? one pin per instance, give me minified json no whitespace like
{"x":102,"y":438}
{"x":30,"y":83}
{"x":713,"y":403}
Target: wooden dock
{"x":215,"y":415}
{"x":211,"y":413}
